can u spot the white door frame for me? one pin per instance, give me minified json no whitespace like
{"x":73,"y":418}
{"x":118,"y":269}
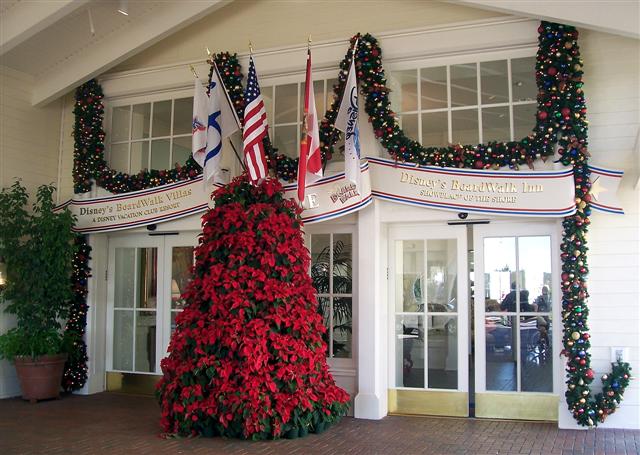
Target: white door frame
{"x":516,"y":229}
{"x":432,"y":232}
{"x":163,"y":243}
{"x":171,"y":241}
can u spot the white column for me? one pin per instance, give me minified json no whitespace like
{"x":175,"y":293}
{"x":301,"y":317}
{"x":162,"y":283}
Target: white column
{"x":95,"y":334}
{"x":371,"y":401}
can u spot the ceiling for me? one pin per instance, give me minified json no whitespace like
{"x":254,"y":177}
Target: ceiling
{"x":67,"y":42}
{"x":64,"y":43}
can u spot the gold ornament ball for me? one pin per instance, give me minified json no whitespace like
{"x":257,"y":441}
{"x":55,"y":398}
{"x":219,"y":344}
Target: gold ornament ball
{"x":575,"y":335}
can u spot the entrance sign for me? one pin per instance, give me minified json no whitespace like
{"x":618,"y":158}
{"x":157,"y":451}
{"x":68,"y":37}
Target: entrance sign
{"x":139,"y":208}
{"x":511,"y":193}
{"x":528,"y":193}
{"x":333,"y":197}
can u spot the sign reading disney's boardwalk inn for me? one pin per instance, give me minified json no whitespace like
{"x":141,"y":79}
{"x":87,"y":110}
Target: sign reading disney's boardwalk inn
{"x":510,"y":193}
{"x":513,"y":193}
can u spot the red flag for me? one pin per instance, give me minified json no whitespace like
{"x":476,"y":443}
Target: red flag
{"x":310,"y":163}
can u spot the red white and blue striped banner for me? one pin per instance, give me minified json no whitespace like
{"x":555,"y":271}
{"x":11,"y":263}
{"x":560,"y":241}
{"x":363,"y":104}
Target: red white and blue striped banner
{"x":139,"y":208}
{"x":334,"y":196}
{"x":509,"y":193}
{"x":604,"y":186}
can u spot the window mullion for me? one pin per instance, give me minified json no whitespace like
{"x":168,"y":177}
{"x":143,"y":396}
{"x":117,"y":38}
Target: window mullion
{"x":330,"y":295}
{"x":449,"y":132}
{"x":479,"y":101}
{"x":130,"y":135}
{"x":517,"y":321}
{"x":150,"y":134}
{"x":509,"y":81}
{"x":419,"y":105}
{"x":173,"y":108}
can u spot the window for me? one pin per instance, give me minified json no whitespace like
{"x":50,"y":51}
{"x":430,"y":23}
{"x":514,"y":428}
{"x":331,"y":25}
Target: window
{"x":153,"y":135}
{"x":285,"y":107}
{"x":331,"y":273}
{"x":466,"y":103}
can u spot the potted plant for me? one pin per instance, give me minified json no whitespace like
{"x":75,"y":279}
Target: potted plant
{"x":38,"y":249}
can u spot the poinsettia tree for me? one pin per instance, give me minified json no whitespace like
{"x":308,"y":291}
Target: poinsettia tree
{"x":247,"y":358}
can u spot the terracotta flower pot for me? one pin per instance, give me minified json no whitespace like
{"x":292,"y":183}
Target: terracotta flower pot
{"x":40,"y":378}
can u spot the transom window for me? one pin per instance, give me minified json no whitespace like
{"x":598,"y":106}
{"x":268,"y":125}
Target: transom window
{"x":154,"y":135}
{"x":285,"y":107}
{"x":468,"y":103}
{"x":331,"y":273}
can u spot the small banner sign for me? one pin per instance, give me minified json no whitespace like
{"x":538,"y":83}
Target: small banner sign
{"x":139,"y":208}
{"x":333,"y":197}
{"x":510,"y":193}
{"x":604,"y":186}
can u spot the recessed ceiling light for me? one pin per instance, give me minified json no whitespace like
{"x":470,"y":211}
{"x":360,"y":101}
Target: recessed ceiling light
{"x":122,"y":9}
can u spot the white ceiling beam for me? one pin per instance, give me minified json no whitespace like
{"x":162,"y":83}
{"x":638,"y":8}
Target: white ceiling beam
{"x":103,"y":55}
{"x":618,"y":17}
{"x":24,"y":19}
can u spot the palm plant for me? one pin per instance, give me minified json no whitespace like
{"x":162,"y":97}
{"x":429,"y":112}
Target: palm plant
{"x":321,"y":277}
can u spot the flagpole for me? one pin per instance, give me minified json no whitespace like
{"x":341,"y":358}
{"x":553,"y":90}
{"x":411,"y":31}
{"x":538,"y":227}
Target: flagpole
{"x":235,"y":115}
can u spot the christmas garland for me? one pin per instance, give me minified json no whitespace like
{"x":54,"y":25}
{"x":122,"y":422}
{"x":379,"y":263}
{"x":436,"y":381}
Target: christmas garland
{"x":75,"y":369}
{"x":560,"y":126}
{"x":561,"y":123}
{"x":89,"y":162}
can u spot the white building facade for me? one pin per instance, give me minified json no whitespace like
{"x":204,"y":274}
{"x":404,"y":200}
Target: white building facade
{"x":415,"y":299}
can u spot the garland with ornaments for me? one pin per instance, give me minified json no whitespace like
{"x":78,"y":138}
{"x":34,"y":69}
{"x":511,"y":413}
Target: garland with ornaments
{"x":75,"y":369}
{"x":561,"y":128}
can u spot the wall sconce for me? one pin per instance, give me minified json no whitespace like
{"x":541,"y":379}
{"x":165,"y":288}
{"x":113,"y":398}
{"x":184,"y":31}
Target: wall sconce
{"x":3,"y":274}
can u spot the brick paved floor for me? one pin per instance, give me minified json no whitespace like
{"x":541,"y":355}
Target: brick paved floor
{"x":124,"y":424}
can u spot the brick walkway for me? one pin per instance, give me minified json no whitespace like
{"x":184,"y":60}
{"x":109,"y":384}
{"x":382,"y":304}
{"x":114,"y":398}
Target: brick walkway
{"x":121,"y":424}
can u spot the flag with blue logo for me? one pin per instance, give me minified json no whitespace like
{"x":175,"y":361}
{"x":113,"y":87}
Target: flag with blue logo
{"x":347,"y":121}
{"x":219,"y":121}
{"x":199,"y":123}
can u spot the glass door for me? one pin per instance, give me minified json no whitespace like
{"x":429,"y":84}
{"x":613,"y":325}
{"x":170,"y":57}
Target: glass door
{"x":133,"y":321}
{"x":146,"y":277}
{"x":516,"y":339}
{"x":428,"y":294}
{"x":180,"y":251}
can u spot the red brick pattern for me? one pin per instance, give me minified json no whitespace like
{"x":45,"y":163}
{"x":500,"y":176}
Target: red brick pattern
{"x":125,"y":424}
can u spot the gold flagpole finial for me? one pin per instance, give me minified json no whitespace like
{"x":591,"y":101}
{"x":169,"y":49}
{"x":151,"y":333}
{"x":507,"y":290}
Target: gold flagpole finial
{"x":309,"y":40}
{"x":250,"y":48}
{"x":193,"y":70}
{"x":209,"y":54}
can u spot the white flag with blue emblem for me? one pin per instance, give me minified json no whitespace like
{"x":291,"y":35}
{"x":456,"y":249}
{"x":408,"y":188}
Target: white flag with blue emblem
{"x":347,"y":121}
{"x":199,"y":123}
{"x":220,"y":122}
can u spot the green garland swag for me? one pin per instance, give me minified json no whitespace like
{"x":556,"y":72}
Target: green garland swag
{"x":560,"y":125}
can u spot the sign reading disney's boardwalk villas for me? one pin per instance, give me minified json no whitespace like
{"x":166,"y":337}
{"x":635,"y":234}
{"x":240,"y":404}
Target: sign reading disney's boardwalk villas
{"x":139,"y":208}
{"x":510,"y":193}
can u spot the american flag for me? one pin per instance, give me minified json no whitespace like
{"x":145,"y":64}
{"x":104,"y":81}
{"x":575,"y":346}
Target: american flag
{"x":255,"y":127}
